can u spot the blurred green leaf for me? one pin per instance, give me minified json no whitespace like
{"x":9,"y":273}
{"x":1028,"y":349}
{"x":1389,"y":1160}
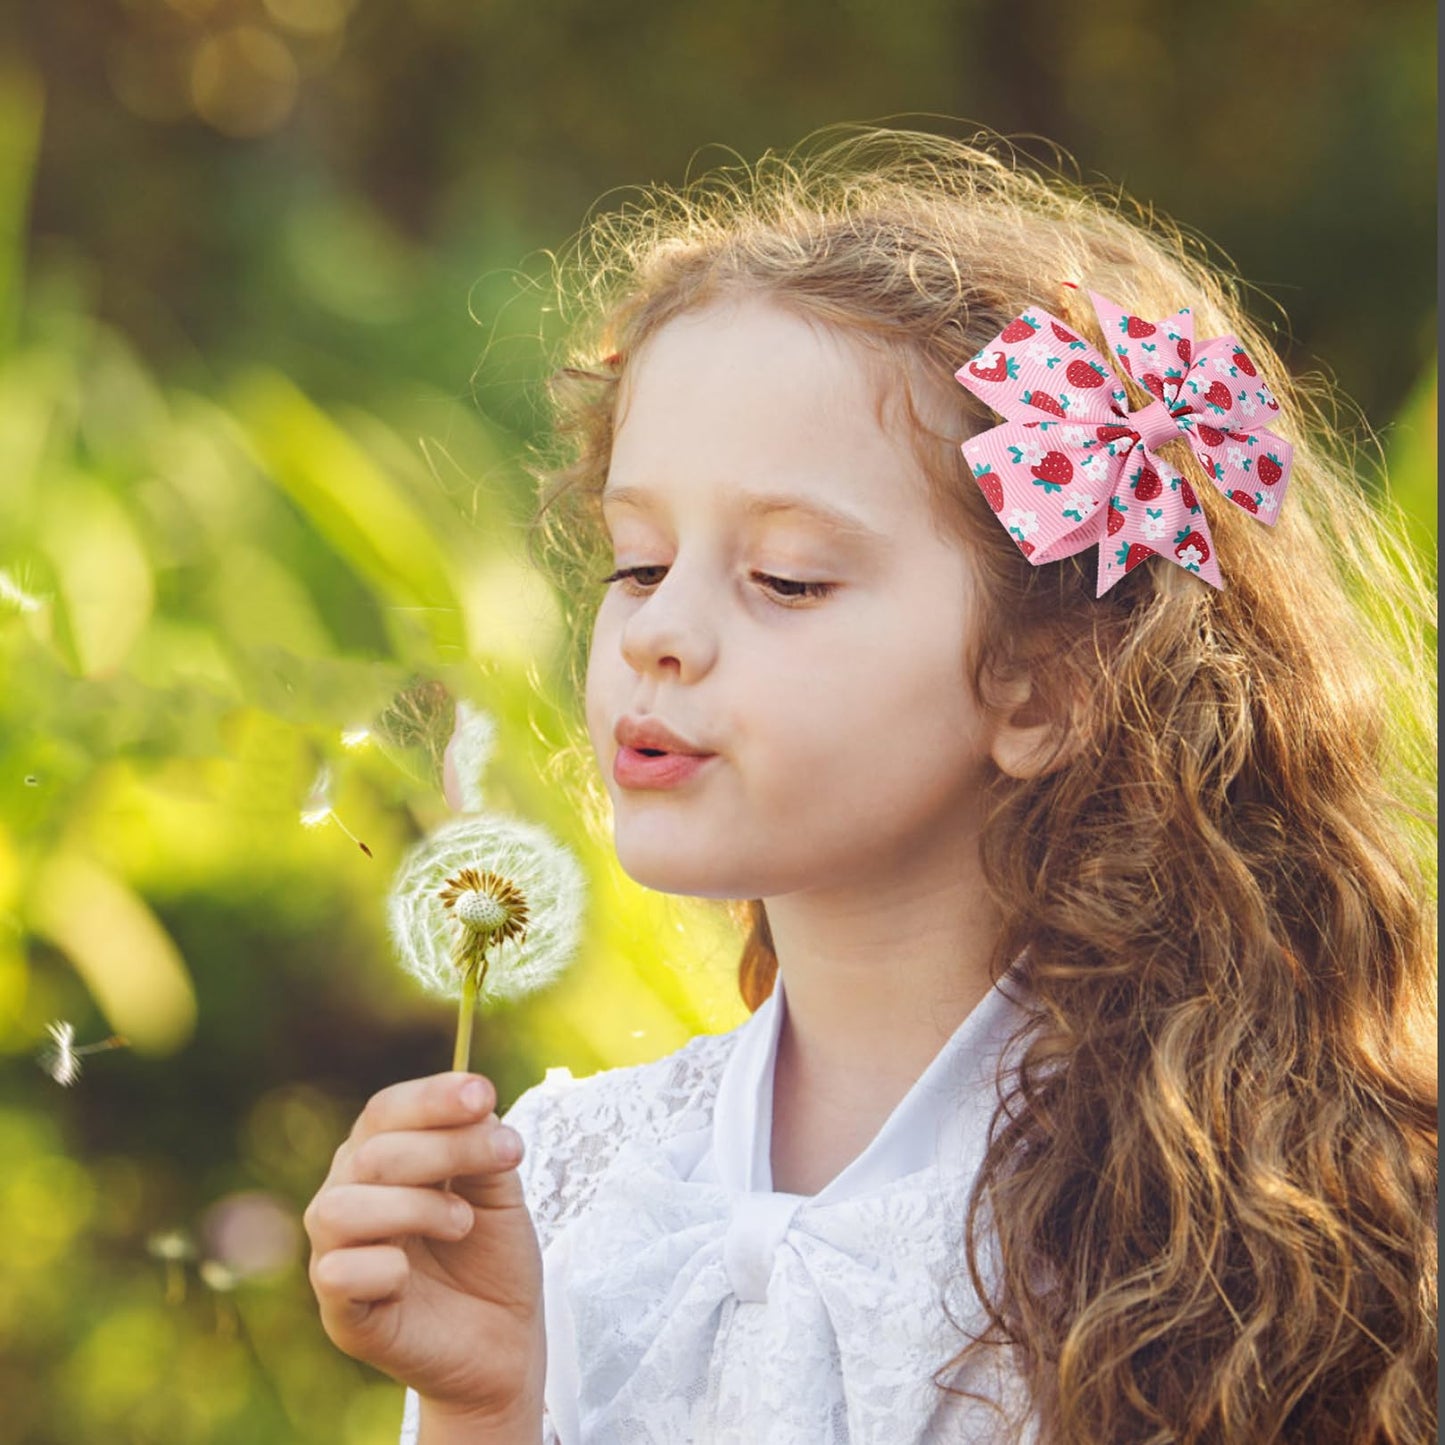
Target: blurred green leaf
{"x":352,"y":504}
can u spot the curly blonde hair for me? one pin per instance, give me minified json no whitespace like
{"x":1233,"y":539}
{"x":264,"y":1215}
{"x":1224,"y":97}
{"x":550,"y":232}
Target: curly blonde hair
{"x":1208,"y":1198}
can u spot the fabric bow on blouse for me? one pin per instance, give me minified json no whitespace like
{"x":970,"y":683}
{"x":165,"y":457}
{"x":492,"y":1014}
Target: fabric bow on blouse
{"x":695,"y":1304}
{"x":1071,"y":465}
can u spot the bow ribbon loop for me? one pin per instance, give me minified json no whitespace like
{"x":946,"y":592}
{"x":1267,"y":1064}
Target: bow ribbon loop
{"x":659,"y":1267}
{"x":1071,"y":466}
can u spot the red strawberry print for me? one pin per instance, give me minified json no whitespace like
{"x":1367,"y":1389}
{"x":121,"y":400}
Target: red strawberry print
{"x":1027,"y":548}
{"x":1270,"y":471}
{"x":1137,"y":327}
{"x":1116,"y":519}
{"x":1152,"y":381}
{"x":1056,"y":470}
{"x":1020,"y":329}
{"x":1044,"y":402}
{"x":1110,"y":433}
{"x":1237,"y":436}
{"x":1135,"y":554}
{"x":1244,"y":363}
{"x":997,"y":372}
{"x":1191,"y":538}
{"x":1064,"y":335}
{"x":1184,"y":349}
{"x":1148,"y":486}
{"x":1219,"y":395}
{"x":1245,"y":500}
{"x":992,"y":488}
{"x":1080,"y":373}
{"x":1211,"y":436}
{"x":1187,"y":492}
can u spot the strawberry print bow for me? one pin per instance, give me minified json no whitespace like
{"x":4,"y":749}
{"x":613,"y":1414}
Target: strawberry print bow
{"x":1071,"y":465}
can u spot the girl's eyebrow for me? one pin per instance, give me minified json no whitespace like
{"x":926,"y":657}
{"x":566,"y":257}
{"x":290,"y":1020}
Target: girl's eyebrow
{"x":762,"y":504}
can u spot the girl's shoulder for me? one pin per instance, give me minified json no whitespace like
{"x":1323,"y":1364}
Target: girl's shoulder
{"x":573,"y":1127}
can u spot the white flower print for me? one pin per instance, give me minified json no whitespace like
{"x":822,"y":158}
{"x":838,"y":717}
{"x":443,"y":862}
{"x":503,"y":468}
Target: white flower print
{"x":1237,"y":457}
{"x":1021,"y":523}
{"x":1247,"y":405}
{"x":1191,"y":557}
{"x":1027,"y":454}
{"x":1075,"y":435}
{"x":1153,"y":525}
{"x":1078,"y":504}
{"x":1040,"y":353}
{"x":1265,"y":501}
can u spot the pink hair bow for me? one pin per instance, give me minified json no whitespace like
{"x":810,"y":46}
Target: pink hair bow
{"x":1070,"y":465}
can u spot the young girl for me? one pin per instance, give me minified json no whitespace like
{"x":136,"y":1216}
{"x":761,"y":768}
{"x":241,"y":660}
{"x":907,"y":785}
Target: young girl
{"x":1088,"y":1093}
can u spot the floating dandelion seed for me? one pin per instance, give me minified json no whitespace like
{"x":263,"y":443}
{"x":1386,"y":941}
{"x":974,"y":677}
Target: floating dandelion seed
{"x":488,"y":907}
{"x":13,"y":593}
{"x":317,"y":811}
{"x":174,"y":1248}
{"x":217,"y":1276}
{"x":466,"y":758}
{"x":414,"y":728}
{"x":61,"y":1056}
{"x":352,"y":738}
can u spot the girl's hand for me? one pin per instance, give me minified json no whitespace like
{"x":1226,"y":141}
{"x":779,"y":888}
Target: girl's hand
{"x":439,"y":1287}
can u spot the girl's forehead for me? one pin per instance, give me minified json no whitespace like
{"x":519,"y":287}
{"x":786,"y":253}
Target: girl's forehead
{"x":750,"y":394}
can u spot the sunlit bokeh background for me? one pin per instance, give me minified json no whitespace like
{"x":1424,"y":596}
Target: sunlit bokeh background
{"x":273,"y":318}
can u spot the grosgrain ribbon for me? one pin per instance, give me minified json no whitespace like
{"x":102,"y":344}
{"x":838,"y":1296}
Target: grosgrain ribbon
{"x":1071,"y":465}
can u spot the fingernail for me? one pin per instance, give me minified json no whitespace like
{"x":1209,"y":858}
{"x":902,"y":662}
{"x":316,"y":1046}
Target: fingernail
{"x":509,"y":1145}
{"x":474,"y":1095}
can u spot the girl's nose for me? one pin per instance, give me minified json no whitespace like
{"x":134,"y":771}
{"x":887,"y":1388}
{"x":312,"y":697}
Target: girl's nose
{"x":670,"y":630}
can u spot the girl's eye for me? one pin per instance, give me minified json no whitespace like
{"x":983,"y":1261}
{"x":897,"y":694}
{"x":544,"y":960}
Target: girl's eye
{"x":785,"y":589}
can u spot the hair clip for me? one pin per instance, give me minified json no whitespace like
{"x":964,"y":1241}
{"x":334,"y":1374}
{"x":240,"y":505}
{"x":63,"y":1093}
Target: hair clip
{"x":1071,"y":465}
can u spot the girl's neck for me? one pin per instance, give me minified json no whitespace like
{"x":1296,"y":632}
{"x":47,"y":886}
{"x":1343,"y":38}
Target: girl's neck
{"x":872,"y":993}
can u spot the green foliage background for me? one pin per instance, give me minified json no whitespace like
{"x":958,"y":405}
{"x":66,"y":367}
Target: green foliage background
{"x":270,"y":336}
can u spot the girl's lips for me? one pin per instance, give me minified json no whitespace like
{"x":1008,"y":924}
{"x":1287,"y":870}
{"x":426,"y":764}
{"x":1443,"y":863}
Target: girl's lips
{"x":632,"y":768}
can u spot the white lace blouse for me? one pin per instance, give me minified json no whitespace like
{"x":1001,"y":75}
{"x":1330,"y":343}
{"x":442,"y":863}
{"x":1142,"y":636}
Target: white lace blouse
{"x":686,"y":1301}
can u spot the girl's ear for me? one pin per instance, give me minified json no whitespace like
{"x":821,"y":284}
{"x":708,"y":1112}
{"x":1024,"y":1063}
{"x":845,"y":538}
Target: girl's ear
{"x":1030,"y":738}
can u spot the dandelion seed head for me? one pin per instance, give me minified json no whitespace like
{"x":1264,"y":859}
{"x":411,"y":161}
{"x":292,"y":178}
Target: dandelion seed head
{"x":542,"y":926}
{"x":480,"y":911}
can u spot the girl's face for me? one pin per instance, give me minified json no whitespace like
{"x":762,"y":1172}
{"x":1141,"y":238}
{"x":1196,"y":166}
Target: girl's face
{"x":793,"y":612}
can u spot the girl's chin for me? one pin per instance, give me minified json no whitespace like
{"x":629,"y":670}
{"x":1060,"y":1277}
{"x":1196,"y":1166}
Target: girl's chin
{"x":672,"y":870}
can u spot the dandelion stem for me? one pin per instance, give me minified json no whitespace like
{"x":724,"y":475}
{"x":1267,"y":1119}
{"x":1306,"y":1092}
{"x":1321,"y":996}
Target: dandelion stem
{"x":461,"y":1056}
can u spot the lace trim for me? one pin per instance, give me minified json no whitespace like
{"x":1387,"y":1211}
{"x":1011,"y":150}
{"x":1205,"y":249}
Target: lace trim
{"x":573,"y":1128}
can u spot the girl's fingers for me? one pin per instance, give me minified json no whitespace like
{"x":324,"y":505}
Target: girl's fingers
{"x":349,"y":1281}
{"x":440,"y":1101}
{"x":429,"y":1156}
{"x":345,"y":1215}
